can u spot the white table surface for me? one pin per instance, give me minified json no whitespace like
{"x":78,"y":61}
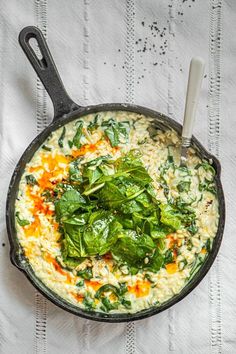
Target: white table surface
{"x":122,"y":51}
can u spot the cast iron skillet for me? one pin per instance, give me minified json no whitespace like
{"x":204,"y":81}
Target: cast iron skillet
{"x":65,"y":110}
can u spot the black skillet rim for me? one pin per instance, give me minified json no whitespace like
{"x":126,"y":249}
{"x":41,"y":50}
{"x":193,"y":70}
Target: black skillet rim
{"x":20,"y":261}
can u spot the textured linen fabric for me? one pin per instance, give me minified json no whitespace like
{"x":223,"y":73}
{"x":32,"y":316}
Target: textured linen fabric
{"x":134,"y":51}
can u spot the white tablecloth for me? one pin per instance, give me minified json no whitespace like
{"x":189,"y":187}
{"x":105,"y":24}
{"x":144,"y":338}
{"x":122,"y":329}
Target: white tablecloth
{"x":121,"y":51}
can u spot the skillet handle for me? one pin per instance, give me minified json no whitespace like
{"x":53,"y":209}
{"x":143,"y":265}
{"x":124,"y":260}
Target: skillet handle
{"x":46,"y":70}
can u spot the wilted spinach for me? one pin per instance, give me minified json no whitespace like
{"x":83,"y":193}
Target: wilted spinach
{"x":70,"y":201}
{"x":101,"y":233}
{"x":46,"y":148}
{"x":133,"y":248}
{"x":74,"y":171}
{"x":61,"y":138}
{"x":111,"y":207}
{"x":79,"y":132}
{"x":184,"y":186}
{"x":94,"y":124}
{"x":21,"y":222}
{"x":117,"y":132}
{"x":86,"y":273}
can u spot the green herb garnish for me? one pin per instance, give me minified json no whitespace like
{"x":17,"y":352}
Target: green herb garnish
{"x":47,"y":148}
{"x":21,"y":222}
{"x":61,"y":138}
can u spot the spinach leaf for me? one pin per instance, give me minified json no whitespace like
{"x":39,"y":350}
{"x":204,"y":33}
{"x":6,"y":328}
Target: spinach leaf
{"x":151,"y":191}
{"x":88,"y":302}
{"x":207,"y":167}
{"x":131,"y":165}
{"x":131,"y":190}
{"x":74,"y":171}
{"x":68,"y":263}
{"x":208,"y":186}
{"x":150,"y":224}
{"x":132,"y":248}
{"x":86,"y":273}
{"x":117,"y":132}
{"x":61,"y":138}
{"x":73,"y":244}
{"x":111,"y":196}
{"x":92,"y":190}
{"x":208,"y":245}
{"x":186,"y":214}
{"x":123,"y":289}
{"x":94,"y":169}
{"x":184,"y":186}
{"x":118,"y":292}
{"x":47,"y":148}
{"x":129,"y":207}
{"x":122,"y":196}
{"x":98,"y":161}
{"x":78,"y":135}
{"x":108,"y":305}
{"x":107,"y":288}
{"x":101,"y":233}
{"x":181,"y":205}
{"x":80,"y":219}
{"x":62,"y":188}
{"x":31,"y":180}
{"x":155,"y":262}
{"x":125,"y":221}
{"x":192,"y":228}
{"x":148,"y":277}
{"x":70,"y":201}
{"x":80,"y":284}
{"x":159,"y":231}
{"x":124,"y":183}
{"x":170,"y":217}
{"x":126,"y":303}
{"x":168,"y":257}
{"x":94,"y":124}
{"x":144,"y":199}
{"x":170,"y":159}
{"x":21,"y":222}
{"x":183,"y":171}
{"x":196,"y":265}
{"x":70,"y":143}
{"x":92,"y":174}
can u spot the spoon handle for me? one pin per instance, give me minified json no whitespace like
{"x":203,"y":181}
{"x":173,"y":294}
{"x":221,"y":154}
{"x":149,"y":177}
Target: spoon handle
{"x":196,"y":71}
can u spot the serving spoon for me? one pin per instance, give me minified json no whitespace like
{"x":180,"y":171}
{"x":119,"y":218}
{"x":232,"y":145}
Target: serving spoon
{"x":196,"y":71}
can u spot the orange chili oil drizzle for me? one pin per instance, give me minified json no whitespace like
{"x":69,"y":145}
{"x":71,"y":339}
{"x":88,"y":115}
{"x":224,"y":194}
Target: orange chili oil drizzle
{"x":140,"y":288}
